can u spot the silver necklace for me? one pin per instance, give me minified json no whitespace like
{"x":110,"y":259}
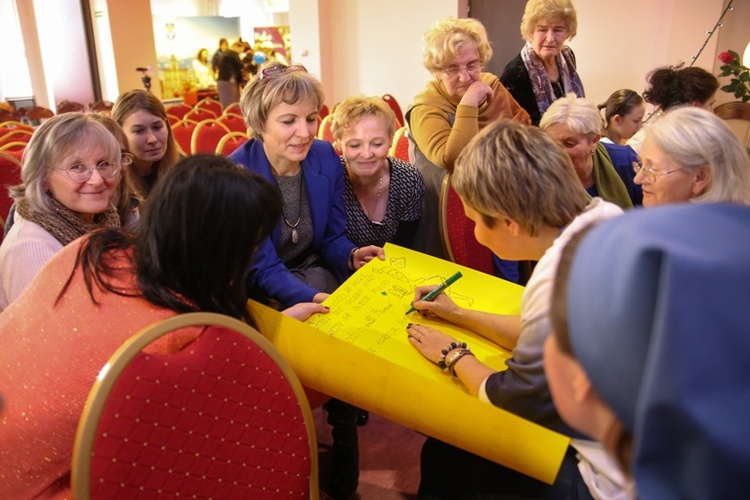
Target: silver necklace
{"x":293,"y":227}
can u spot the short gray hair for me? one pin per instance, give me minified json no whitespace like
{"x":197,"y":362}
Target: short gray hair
{"x":576,"y":113}
{"x":518,"y":171}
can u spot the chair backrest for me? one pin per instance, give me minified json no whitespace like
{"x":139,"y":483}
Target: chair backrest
{"x":209,"y":104}
{"x":37,"y":114}
{"x":230,"y":142}
{"x":225,"y":417}
{"x":234,"y":123}
{"x":206,"y":136}
{"x":233,"y":109}
{"x":457,"y":233}
{"x":18,"y":135}
{"x":10,"y":175}
{"x":324,"y":111}
{"x":400,"y":146}
{"x":14,"y":148}
{"x":11,"y":125}
{"x":737,"y":116}
{"x":178,"y":110}
{"x":199,"y":114}
{"x":70,"y":107}
{"x":183,"y":135}
{"x":102,"y":107}
{"x":391,"y":101}
{"x":325,"y":132}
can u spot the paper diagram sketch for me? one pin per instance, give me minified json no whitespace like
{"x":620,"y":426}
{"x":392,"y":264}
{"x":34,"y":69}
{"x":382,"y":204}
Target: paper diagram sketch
{"x":369,"y":309}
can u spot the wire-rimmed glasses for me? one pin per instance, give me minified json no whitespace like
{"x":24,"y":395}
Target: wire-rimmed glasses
{"x":650,"y":175}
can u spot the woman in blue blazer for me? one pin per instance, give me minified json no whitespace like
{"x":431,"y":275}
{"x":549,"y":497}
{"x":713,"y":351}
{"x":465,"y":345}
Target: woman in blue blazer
{"x":308,"y":254}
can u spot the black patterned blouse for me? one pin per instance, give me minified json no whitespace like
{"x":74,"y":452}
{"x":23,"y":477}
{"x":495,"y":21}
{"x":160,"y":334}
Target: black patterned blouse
{"x":404,"y":208}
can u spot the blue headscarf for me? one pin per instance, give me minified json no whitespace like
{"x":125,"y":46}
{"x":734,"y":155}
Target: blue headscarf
{"x":658,"y":317}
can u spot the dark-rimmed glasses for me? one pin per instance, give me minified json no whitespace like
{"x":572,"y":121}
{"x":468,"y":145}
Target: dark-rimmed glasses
{"x":79,"y":172}
{"x":649,"y":174}
{"x":280,"y":69}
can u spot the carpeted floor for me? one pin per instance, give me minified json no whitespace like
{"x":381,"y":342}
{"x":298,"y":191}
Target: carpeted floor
{"x":388,"y":458}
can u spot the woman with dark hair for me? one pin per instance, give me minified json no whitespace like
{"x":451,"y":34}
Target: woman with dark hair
{"x":143,"y":118}
{"x":98,"y":291}
{"x":672,"y":86}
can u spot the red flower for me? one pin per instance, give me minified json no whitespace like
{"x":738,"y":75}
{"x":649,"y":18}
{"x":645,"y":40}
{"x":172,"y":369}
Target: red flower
{"x":726,"y":57}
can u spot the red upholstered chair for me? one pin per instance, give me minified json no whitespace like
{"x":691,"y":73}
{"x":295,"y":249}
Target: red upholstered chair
{"x":226,"y":417}
{"x":199,"y":114}
{"x":38,"y":114}
{"x":67,"y":106}
{"x":230,"y":142}
{"x":233,"y":122}
{"x":10,"y":175}
{"x":233,"y":109}
{"x":102,"y":107}
{"x":14,"y":149}
{"x":457,"y":233}
{"x":179,"y":110}
{"x":325,"y":133}
{"x":391,"y":101}
{"x":400,"y":146}
{"x":183,"y":134}
{"x":324,"y":111}
{"x":211,"y":105}
{"x":18,"y":135}
{"x":206,"y":136}
{"x":11,"y":125}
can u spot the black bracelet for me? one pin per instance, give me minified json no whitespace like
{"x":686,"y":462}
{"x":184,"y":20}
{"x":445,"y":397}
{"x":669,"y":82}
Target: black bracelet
{"x":461,"y":354}
{"x":351,"y":258}
{"x":444,"y":353}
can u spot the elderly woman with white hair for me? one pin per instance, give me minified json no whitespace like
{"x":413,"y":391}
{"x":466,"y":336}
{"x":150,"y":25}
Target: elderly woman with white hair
{"x":690,"y":154}
{"x":576,"y":125}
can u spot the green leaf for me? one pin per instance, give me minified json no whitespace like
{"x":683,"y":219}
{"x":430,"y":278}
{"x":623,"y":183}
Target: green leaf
{"x":746,"y":98}
{"x":744,"y":77}
{"x":727,"y":88}
{"x":739,"y":91}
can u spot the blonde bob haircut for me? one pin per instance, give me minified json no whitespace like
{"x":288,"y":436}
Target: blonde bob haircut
{"x":518,"y":172}
{"x":576,"y":113}
{"x":440,"y":43}
{"x":537,"y":11}
{"x":57,"y":142}
{"x":693,"y":138}
{"x":264,"y":93}
{"x":352,"y":109}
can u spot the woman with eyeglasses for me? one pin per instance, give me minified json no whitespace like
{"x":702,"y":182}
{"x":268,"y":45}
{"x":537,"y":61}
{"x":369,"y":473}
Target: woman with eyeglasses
{"x":545,"y":70}
{"x":70,"y":172}
{"x":101,"y":289}
{"x":143,"y":118}
{"x":457,"y":103}
{"x":308,"y":254}
{"x":690,"y":154}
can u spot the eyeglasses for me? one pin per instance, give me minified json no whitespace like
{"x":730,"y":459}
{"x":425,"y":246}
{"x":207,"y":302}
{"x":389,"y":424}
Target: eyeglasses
{"x":649,"y":174}
{"x":78,"y":172}
{"x":280,"y":69}
{"x":472,"y":67}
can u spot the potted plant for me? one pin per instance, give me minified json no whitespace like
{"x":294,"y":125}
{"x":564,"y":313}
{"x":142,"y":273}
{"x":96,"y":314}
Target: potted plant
{"x":739,"y":84}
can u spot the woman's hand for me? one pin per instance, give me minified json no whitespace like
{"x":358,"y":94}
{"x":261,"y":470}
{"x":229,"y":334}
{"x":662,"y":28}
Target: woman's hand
{"x":363,"y":255}
{"x":441,"y":306}
{"x":318,"y":298}
{"x":304,"y":310}
{"x":428,"y":341}
{"x":476,"y":94}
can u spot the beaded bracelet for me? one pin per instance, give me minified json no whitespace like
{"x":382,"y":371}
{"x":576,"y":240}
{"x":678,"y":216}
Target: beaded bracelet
{"x":452,"y":363}
{"x":351,"y":258}
{"x":444,"y":353}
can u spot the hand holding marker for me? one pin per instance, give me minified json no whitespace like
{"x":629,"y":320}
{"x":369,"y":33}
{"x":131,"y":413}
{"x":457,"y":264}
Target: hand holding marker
{"x":431,"y":296}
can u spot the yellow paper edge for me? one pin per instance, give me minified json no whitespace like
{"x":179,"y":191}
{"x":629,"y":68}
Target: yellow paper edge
{"x":425,"y":404}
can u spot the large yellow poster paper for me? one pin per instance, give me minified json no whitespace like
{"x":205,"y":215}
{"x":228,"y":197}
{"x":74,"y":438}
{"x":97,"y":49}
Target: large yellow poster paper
{"x":359,"y":353}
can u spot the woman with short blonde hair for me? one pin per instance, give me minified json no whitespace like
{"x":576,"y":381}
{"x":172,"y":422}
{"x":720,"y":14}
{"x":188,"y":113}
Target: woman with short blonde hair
{"x":457,"y":103}
{"x":382,"y":194}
